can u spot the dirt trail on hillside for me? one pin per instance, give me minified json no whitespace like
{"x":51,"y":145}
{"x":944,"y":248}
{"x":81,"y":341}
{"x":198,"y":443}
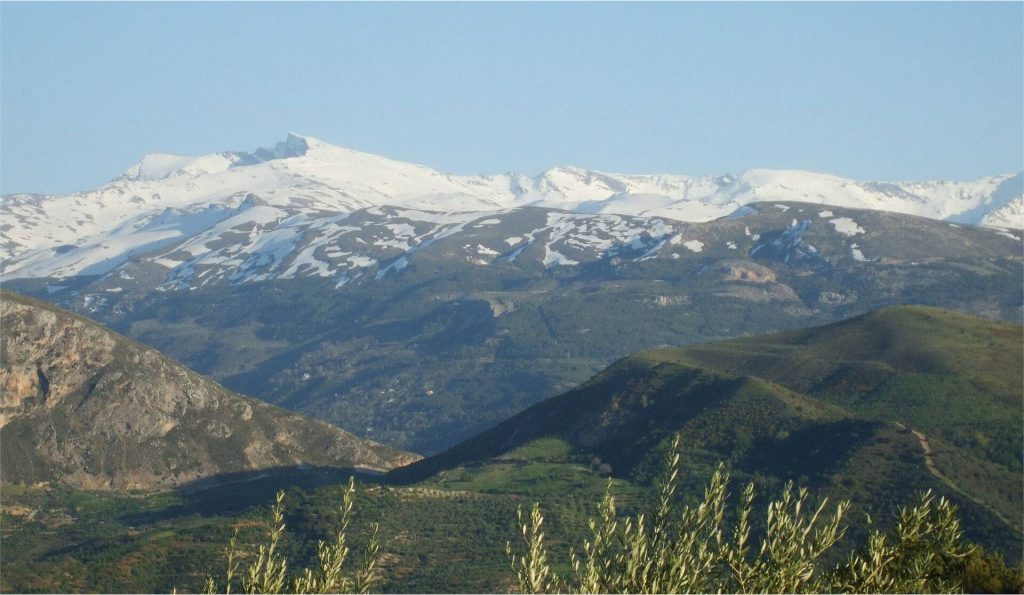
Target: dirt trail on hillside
{"x":929,"y":463}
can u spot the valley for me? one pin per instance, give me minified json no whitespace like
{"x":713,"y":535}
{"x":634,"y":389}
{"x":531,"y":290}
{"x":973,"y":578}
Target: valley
{"x":472,"y":329}
{"x":536,"y":339}
{"x":805,"y":405}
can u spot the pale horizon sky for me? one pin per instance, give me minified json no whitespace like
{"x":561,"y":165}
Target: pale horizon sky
{"x":872,"y":91}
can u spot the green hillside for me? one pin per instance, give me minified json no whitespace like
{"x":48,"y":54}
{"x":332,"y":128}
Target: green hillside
{"x":874,"y":408}
{"x":624,"y":414}
{"x":954,"y":378}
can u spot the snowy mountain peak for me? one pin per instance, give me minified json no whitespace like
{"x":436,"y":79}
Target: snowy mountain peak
{"x":295,"y":139}
{"x":293,"y":146}
{"x":302,"y":175}
{"x":160,"y":166}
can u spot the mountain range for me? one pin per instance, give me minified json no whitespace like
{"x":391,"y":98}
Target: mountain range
{"x":184,"y":211}
{"x":417,"y":308}
{"x":503,"y":325}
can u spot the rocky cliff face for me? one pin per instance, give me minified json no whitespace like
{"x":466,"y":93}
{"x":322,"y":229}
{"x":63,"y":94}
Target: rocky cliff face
{"x":84,"y":406}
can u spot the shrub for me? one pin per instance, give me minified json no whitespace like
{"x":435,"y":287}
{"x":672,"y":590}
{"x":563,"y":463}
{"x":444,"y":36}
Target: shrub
{"x":689,"y":549}
{"x":268,"y":572}
{"x":987,"y":573}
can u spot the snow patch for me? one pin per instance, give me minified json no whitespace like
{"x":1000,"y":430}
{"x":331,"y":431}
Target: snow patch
{"x":362,"y":261}
{"x":694,"y":245}
{"x":555,"y":258}
{"x":846,"y":226}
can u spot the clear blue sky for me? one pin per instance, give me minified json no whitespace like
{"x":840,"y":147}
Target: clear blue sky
{"x":868,"y":90}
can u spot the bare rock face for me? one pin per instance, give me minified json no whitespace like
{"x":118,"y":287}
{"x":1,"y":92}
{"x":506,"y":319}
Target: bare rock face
{"x":89,"y":408}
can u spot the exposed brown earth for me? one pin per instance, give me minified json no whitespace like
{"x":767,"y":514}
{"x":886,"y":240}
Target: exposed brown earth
{"x":83,"y":406}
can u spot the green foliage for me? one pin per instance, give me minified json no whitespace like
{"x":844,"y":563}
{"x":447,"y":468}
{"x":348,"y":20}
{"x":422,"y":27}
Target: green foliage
{"x":764,"y":430}
{"x":268,"y":572}
{"x":982,"y":572}
{"x":690,"y":548}
{"x":928,"y":544}
{"x":532,"y":569}
{"x":433,"y":539}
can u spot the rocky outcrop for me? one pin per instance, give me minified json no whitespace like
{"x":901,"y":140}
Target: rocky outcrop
{"x":86,"y":407}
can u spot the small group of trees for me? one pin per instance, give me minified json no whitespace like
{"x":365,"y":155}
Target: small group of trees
{"x":675,"y":548}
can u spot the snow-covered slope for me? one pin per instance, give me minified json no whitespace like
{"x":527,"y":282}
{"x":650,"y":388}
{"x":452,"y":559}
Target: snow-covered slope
{"x":202,"y":206}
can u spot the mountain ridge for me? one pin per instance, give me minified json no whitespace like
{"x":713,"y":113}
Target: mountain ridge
{"x":818,"y":404}
{"x":83,"y":406}
{"x":306,"y":174}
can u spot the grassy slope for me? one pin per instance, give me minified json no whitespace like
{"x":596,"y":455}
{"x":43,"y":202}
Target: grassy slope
{"x":625,"y":413}
{"x":834,"y":407}
{"x":955,"y":378}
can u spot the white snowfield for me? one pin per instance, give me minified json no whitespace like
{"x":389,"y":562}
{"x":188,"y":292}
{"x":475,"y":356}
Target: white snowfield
{"x":296,"y":196}
{"x":847,"y":226}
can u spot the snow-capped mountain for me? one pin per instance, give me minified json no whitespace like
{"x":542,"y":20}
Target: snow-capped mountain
{"x":282,"y":210}
{"x":363,"y":318}
{"x":359,"y":289}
